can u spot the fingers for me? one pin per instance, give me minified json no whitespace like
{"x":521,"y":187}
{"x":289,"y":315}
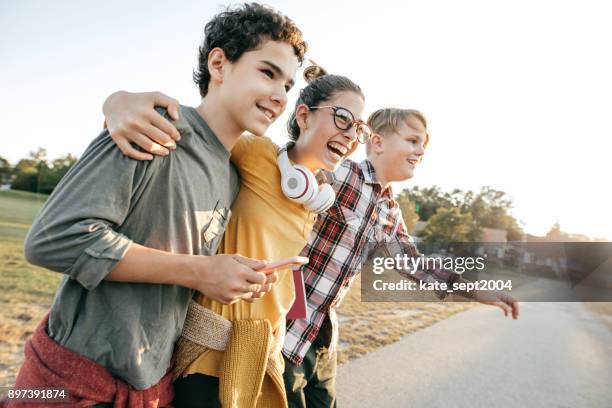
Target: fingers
{"x":171,"y":104}
{"x":227,"y":300}
{"x":253,"y":291}
{"x":250,"y":262}
{"x":248,"y":273}
{"x":515,"y":309}
{"x":244,"y":284}
{"x":504,"y":307}
{"x":253,"y":296}
{"x":127,"y":149}
{"x":158,"y":136}
{"x":512,"y":304}
{"x":250,"y":293}
{"x":255,"y":277}
{"x":232,"y":278}
{"x":271,"y":278}
{"x":140,"y":135}
{"x":164,"y":125}
{"x":235,"y":295}
{"x":148,"y":145}
{"x":253,"y":287}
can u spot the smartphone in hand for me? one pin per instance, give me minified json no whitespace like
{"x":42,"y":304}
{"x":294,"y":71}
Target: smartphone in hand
{"x":284,"y":263}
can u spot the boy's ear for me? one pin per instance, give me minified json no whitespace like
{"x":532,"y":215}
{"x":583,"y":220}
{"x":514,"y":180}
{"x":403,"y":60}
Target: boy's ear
{"x":301,"y":116}
{"x":216,"y":64}
{"x":377,"y":143}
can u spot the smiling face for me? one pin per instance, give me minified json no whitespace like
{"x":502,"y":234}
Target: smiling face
{"x":321,"y":145}
{"x":398,"y":154}
{"x":254,"y":88}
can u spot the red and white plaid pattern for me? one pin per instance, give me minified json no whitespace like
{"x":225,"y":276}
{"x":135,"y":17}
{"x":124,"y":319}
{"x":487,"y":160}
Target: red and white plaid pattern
{"x":363,"y":214}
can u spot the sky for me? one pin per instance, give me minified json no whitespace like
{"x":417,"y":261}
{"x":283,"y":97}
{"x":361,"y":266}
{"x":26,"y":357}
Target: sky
{"x":517,"y":94}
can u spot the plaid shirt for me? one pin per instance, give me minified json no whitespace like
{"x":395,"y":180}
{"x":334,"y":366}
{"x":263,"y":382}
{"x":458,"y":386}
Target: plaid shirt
{"x":363,"y":214}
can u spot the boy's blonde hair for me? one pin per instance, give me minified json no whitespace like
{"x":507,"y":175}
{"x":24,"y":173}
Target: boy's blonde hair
{"x":386,"y":121}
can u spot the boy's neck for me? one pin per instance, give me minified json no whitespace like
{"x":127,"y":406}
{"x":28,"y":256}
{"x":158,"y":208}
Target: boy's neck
{"x":218,"y":119}
{"x":380,"y":175}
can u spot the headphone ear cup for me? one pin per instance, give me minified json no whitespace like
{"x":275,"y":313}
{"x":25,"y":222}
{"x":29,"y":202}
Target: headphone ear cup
{"x":323,"y":200}
{"x":330,"y":200}
{"x":307,"y":186}
{"x":293,"y":183}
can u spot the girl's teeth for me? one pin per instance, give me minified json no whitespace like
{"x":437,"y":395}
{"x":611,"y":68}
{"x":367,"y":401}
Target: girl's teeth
{"x":338,"y":147}
{"x":335,"y":155}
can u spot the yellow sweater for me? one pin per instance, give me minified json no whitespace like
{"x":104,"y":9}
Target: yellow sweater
{"x":264,"y":225}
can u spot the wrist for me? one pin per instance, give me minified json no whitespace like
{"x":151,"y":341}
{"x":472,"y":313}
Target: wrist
{"x":190,"y":270}
{"x":183,"y":271}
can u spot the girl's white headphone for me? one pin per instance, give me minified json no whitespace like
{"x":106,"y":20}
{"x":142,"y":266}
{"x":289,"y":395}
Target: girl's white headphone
{"x":300,"y":185}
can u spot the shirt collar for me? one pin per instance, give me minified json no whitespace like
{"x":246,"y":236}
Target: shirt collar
{"x":368,"y":171}
{"x":369,"y":174}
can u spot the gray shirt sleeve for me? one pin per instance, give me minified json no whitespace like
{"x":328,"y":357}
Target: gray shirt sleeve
{"x":75,"y":232}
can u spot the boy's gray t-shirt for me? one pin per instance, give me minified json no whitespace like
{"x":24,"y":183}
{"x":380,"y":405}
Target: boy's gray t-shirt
{"x":179,"y":203}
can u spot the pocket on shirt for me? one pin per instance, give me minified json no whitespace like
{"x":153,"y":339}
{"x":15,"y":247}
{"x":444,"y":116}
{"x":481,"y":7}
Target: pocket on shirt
{"x":214,"y":228}
{"x":341,"y":228}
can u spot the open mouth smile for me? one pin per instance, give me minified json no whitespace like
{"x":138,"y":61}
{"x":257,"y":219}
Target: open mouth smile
{"x":338,"y":150}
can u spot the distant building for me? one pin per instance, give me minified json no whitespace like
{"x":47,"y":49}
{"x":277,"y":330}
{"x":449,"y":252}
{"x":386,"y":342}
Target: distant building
{"x":494,"y":235}
{"x":493,"y":243}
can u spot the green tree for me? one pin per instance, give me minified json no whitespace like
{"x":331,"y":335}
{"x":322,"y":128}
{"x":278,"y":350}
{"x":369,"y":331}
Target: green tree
{"x":449,"y":225}
{"x":6,"y":171}
{"x":427,"y":200}
{"x":51,"y":175}
{"x":408,"y":210}
{"x":27,"y":171}
{"x":489,"y":208}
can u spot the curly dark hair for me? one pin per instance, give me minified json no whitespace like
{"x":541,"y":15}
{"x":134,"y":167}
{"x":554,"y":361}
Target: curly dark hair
{"x":241,"y":29}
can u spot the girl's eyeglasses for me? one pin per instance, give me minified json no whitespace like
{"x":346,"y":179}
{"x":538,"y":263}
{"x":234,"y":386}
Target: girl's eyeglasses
{"x":344,"y":120}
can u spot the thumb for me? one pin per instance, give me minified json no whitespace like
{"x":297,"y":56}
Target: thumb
{"x":250,"y":262}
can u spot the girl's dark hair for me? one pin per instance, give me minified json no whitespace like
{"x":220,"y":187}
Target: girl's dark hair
{"x":321,"y":88}
{"x":241,"y":29}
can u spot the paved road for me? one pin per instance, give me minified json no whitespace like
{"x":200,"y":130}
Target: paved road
{"x":555,"y":355}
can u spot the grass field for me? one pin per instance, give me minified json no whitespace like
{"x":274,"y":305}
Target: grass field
{"x":26,"y":291}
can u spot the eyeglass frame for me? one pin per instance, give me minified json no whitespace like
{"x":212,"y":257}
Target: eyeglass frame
{"x":353,"y":122}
